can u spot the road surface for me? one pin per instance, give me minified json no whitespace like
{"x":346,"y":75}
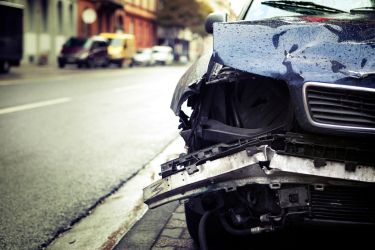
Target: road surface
{"x":67,"y":141}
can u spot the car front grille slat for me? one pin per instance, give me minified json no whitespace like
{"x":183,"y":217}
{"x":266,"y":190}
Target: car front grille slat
{"x":325,"y":103}
{"x":347,"y":120}
{"x":350,"y":107}
{"x":343,"y":112}
{"x":352,"y":204}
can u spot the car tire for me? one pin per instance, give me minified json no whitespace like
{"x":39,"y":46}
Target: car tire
{"x":192,"y":222}
{"x":4,"y":67}
{"x":105,"y":64}
{"x":61,"y":65}
{"x":90,"y":63}
{"x":120,"y":64}
{"x":131,"y":64}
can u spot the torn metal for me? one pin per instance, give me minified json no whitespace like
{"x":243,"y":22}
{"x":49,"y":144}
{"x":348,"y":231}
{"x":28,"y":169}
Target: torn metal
{"x":248,"y":163}
{"x":282,"y":125}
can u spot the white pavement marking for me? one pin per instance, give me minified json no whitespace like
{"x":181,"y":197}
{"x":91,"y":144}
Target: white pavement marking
{"x":34,"y":105}
{"x":112,"y":219}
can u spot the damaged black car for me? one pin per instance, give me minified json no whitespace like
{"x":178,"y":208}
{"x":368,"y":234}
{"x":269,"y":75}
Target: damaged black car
{"x":279,"y":120}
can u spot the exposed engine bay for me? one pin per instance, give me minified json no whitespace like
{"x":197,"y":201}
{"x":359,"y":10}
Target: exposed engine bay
{"x":281,"y":131}
{"x":265,"y":171}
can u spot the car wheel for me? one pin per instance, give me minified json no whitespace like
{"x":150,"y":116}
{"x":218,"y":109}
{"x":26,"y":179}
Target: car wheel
{"x":4,"y":67}
{"x":120,"y":64}
{"x":61,"y":65}
{"x":192,"y":222}
{"x":105,"y":63}
{"x":90,"y":63}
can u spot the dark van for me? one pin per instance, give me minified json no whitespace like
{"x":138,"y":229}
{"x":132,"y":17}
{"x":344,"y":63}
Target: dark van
{"x":89,"y":52}
{"x":11,"y":36}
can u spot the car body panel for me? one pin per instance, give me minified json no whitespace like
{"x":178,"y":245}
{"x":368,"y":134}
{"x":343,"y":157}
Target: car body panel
{"x":298,"y":49}
{"x":258,"y":150}
{"x":337,"y":49}
{"x":123,"y":48}
{"x":144,"y":57}
{"x":162,"y":54}
{"x":91,"y":50}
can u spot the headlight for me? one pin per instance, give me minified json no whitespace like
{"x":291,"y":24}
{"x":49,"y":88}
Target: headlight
{"x":84,"y":55}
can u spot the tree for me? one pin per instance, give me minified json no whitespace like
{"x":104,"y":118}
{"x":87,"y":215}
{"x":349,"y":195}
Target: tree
{"x":181,"y":14}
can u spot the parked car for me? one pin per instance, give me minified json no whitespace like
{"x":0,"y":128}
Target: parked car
{"x":11,"y":35}
{"x":91,"y":52}
{"x":162,"y":54}
{"x":144,"y":57}
{"x":121,"y":48}
{"x":282,"y":128}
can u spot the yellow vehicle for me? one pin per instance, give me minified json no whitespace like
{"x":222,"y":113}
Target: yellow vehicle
{"x":121,"y":48}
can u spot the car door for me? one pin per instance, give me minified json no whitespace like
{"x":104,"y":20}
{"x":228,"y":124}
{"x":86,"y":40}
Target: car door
{"x":103,"y":52}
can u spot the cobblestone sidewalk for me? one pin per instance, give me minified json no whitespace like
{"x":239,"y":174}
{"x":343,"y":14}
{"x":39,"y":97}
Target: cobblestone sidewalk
{"x":160,"y":228}
{"x":175,"y":234}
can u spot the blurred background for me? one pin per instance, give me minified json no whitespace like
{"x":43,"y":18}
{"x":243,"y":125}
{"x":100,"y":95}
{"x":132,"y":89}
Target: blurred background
{"x":85,"y":89}
{"x":46,"y":25}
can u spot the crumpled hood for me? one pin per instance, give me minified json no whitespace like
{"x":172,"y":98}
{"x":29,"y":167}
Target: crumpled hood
{"x":299,"y":48}
{"x":328,"y":49}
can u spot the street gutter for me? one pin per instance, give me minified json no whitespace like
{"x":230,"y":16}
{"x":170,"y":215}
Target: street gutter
{"x":108,"y":220}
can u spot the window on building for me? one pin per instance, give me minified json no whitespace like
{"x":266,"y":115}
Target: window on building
{"x":108,"y":22}
{"x":44,"y":8}
{"x":131,"y":26}
{"x":31,"y":10}
{"x":60,"y":17}
{"x":119,"y":23}
{"x":71,"y":16}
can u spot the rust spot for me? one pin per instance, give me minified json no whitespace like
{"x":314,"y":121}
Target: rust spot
{"x":119,"y":233}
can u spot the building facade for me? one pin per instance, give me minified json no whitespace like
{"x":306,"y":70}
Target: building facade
{"x":224,"y":6}
{"x":109,"y":17}
{"x":140,"y":20}
{"x":129,"y":16}
{"x":47,"y":24}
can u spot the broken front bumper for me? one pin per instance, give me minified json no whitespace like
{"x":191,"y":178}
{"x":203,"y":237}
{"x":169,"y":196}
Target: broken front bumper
{"x":209,"y":170}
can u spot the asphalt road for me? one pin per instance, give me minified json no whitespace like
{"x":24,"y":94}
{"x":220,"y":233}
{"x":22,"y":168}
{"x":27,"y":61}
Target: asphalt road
{"x":68,"y":140}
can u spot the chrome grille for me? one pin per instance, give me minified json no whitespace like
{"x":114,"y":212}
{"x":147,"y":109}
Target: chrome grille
{"x":342,"y":106}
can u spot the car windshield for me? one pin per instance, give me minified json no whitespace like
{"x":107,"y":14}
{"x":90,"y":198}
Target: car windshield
{"x":261,"y":9}
{"x":144,"y":51}
{"x":161,"y":50}
{"x":75,"y":42}
{"x":88,"y":43}
{"x":116,"y":42}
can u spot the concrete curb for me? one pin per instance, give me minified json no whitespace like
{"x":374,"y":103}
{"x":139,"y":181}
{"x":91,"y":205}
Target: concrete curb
{"x":112,"y":219}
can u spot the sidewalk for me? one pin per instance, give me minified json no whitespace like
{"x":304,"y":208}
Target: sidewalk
{"x":160,"y":228}
{"x":32,"y":71}
{"x":114,"y":217}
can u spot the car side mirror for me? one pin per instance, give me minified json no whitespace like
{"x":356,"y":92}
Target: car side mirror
{"x":214,"y":18}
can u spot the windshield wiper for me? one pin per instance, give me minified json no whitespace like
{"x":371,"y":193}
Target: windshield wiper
{"x":305,"y":8}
